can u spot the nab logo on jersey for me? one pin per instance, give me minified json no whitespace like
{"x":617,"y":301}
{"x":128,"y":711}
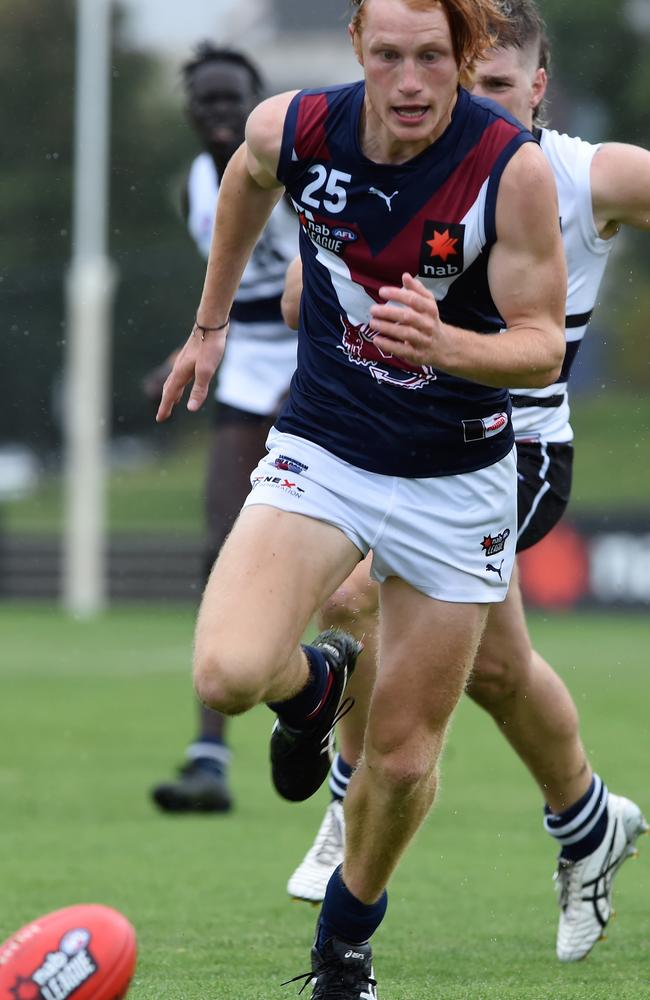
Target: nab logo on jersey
{"x":441,"y":253}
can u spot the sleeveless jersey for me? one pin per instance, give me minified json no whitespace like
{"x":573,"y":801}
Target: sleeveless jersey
{"x":256,"y":310}
{"x":362,"y":225}
{"x":543,"y":414}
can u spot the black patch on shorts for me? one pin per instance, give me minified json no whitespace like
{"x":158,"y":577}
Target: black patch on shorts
{"x":551,"y":507}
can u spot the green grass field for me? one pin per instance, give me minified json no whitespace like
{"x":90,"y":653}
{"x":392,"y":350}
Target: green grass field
{"x":93,"y":713}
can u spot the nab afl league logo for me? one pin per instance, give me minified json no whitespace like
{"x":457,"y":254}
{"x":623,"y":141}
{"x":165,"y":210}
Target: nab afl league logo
{"x":441,"y":252}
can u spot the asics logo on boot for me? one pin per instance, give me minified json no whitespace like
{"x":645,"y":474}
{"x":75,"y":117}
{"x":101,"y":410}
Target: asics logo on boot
{"x":353,"y":954}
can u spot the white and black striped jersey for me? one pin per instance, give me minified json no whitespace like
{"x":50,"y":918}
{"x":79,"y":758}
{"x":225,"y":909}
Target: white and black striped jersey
{"x":263,"y":278}
{"x":260,"y":356}
{"x":543,"y":414}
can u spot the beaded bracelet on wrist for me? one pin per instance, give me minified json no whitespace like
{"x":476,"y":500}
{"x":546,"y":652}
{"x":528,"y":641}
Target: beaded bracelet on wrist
{"x":208,"y":329}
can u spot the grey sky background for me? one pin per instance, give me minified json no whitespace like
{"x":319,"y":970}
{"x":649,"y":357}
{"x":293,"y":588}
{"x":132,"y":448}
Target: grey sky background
{"x":298,"y":43}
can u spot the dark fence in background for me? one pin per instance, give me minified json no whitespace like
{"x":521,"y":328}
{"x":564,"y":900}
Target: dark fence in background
{"x":587,"y":562}
{"x":140,"y":568}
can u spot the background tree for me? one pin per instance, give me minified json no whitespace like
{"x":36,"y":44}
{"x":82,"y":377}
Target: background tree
{"x":158,"y":271}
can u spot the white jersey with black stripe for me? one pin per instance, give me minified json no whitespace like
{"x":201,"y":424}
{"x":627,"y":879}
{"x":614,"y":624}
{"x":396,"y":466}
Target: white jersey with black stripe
{"x":546,"y":416}
{"x":275,"y":249}
{"x":261,"y":350}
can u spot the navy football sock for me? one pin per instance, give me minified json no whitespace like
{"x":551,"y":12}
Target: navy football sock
{"x":339,"y":778}
{"x":346,"y":917}
{"x":580,"y":828}
{"x":302,"y":710}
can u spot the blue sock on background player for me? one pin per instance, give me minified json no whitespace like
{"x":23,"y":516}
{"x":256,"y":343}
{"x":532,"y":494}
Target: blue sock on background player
{"x":580,"y":829}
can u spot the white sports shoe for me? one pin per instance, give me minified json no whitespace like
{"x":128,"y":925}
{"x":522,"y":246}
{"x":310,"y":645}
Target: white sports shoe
{"x":310,"y":878}
{"x":585,"y":887}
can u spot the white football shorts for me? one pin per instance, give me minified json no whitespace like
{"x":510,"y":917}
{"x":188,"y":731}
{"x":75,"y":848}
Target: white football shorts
{"x":257,"y":367}
{"x":451,"y":537}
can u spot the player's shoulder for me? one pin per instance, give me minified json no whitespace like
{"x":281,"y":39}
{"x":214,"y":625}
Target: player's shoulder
{"x":264,"y":132}
{"x":528,"y":168}
{"x":566,"y":152}
{"x":266,"y":121}
{"x":269,"y":115}
{"x":315,"y":101}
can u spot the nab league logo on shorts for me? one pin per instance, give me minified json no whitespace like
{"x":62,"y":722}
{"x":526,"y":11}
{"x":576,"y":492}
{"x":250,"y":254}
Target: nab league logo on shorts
{"x":493,"y":544}
{"x":441,"y":252}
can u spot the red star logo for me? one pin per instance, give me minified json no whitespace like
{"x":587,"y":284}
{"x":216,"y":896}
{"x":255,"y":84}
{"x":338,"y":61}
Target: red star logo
{"x":443,"y":245}
{"x":487,"y":543}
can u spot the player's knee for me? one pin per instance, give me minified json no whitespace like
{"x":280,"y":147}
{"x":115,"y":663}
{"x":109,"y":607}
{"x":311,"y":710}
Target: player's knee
{"x":401,"y":770}
{"x":350,"y":603}
{"x":497,"y":676}
{"x":224,"y":684}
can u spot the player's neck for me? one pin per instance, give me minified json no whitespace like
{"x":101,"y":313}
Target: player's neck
{"x":379,"y":143}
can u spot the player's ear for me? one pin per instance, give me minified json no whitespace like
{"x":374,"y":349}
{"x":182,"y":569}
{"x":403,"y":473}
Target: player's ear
{"x":467,"y":74}
{"x":538,"y":90}
{"x":356,"y":42}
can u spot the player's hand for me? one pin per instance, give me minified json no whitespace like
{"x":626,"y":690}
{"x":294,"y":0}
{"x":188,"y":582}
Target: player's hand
{"x":408,"y":324}
{"x":154,"y":380}
{"x":198,"y":360}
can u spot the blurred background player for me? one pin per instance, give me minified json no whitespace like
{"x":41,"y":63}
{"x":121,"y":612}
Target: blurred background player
{"x":222,"y":86}
{"x":601,"y":187}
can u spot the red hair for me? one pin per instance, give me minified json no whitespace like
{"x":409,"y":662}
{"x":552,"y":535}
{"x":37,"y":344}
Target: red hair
{"x":473,"y":24}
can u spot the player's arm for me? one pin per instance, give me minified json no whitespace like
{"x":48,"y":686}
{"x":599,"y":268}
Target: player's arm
{"x":248,"y":192}
{"x":290,"y":303}
{"x":527,"y":277}
{"x":620,"y":188}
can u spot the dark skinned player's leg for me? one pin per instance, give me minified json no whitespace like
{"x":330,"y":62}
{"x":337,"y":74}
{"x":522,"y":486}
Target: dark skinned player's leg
{"x":237,"y":442}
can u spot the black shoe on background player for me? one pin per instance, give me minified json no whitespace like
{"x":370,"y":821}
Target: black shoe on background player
{"x":198,"y":788}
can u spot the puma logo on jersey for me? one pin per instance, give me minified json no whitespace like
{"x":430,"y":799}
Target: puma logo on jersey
{"x":385,"y":197}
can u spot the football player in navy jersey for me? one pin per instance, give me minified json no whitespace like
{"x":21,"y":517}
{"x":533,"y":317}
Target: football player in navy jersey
{"x":221,"y":88}
{"x":601,"y":188}
{"x":423,"y":214}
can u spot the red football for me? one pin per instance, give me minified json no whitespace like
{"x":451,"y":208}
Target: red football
{"x":87,"y":952}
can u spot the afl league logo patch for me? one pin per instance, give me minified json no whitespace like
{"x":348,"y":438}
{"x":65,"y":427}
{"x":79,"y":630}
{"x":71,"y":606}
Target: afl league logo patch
{"x":441,"y":251}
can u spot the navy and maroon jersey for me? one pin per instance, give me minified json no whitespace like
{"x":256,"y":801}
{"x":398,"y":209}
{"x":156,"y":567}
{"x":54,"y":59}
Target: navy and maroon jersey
{"x":362,"y":225}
